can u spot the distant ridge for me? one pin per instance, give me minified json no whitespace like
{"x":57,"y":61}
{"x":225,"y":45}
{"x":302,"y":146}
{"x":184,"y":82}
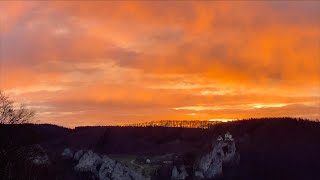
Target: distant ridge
{"x":204,"y":124}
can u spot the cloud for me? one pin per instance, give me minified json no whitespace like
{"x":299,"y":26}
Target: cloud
{"x":115,"y":62}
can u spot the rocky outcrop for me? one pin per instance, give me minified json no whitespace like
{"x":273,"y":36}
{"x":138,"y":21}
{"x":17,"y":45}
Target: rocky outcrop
{"x":175,"y":173}
{"x":180,"y":174}
{"x":223,"y":153}
{"x":209,"y":166}
{"x":102,"y":167}
{"x":78,"y":155}
{"x":106,"y":168}
{"x":67,"y":153}
{"x":89,"y":162}
{"x":41,"y":160}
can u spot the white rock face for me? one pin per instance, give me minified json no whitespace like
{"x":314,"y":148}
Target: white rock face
{"x":78,"y":155}
{"x":199,"y":174}
{"x":183,"y":173}
{"x":175,"y":173}
{"x":41,"y":160}
{"x":180,"y":174}
{"x":104,"y":168}
{"x":148,"y":161}
{"x":120,"y":172}
{"x":89,"y":162}
{"x":67,"y":153}
{"x":111,"y":169}
{"x":211,"y":164}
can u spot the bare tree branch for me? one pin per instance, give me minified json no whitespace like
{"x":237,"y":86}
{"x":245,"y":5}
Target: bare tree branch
{"x":11,"y":115}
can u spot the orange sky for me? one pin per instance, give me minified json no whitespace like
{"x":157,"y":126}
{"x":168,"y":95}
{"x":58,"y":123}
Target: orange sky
{"x":106,"y":63}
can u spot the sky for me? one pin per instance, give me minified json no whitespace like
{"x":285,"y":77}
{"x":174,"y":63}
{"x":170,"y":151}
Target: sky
{"x":109,"y":63}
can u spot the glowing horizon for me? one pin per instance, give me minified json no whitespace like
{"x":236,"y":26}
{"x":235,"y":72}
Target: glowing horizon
{"x":109,"y":63}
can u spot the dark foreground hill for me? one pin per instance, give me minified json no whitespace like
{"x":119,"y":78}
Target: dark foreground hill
{"x":277,"y":148}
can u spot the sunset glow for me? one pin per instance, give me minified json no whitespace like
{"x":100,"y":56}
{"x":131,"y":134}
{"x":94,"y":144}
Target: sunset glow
{"x":106,"y":63}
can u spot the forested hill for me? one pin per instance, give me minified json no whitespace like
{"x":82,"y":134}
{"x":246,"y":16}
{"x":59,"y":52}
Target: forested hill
{"x":176,"y":123}
{"x":205,"y":124}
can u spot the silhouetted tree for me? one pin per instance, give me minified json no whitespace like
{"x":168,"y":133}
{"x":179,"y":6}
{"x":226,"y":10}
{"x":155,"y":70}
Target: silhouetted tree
{"x":104,"y":140}
{"x":9,"y":114}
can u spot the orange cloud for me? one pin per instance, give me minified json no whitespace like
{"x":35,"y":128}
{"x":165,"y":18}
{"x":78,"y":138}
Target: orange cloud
{"x":98,"y":63}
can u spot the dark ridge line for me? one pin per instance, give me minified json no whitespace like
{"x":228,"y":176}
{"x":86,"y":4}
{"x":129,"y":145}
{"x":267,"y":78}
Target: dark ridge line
{"x":162,"y":123}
